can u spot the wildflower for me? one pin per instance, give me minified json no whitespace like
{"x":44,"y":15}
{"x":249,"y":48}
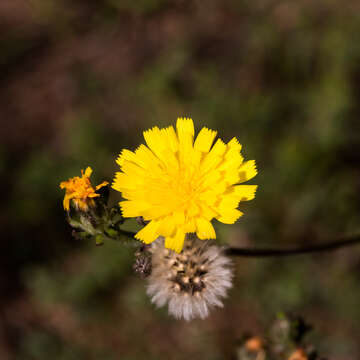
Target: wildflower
{"x":191,"y":282}
{"x":80,"y":190}
{"x":178,"y":186}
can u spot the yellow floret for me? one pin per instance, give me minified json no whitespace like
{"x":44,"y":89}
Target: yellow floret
{"x":80,"y":191}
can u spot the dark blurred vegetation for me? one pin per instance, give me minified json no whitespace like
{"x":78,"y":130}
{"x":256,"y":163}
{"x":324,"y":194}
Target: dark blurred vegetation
{"x":82,"y":79}
{"x":286,"y":338}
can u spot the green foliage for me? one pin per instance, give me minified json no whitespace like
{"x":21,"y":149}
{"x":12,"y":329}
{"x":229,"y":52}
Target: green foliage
{"x":82,"y":79}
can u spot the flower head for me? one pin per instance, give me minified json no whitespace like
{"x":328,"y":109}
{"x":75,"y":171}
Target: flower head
{"x":191,"y":282}
{"x":179,"y":185}
{"x":80,"y":190}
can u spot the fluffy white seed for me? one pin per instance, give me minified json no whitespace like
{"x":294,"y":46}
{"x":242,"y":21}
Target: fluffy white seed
{"x":191,"y":283}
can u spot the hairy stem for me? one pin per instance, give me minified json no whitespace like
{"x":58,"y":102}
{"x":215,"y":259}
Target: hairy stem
{"x":271,"y":252}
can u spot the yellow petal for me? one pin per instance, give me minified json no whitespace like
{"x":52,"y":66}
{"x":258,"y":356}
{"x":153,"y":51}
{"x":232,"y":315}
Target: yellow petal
{"x":212,"y":178}
{"x":64,"y":184}
{"x":151,"y":136}
{"x":132,"y":169}
{"x":148,"y":233}
{"x":247,"y":171}
{"x":88,"y":171}
{"x":171,"y":138}
{"x":127,"y":155}
{"x":205,"y":230}
{"x":190,"y":225}
{"x":66,"y":202}
{"x":214,"y":157}
{"x":185,"y":132}
{"x":166,"y":227}
{"x":146,"y":157}
{"x":209,"y":198}
{"x":229,"y":216}
{"x":230,"y":201}
{"x":155,"y":141}
{"x":178,"y":217}
{"x":193,"y":210}
{"x":104,"y":183}
{"x":122,"y":181}
{"x":154,"y":212}
{"x":132,"y":208}
{"x":204,"y":140}
{"x":184,"y":127}
{"x":219,"y":148}
{"x":234,"y":144}
{"x":207,"y":212}
{"x":245,"y":192}
{"x":232,"y":160}
{"x":176,"y":243}
{"x":232,"y":177}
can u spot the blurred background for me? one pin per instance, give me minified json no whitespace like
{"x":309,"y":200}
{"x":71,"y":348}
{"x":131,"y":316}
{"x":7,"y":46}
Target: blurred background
{"x":81,"y":79}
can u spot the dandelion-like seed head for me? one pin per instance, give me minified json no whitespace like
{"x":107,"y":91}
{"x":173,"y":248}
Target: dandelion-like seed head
{"x":80,"y":191}
{"x":179,"y":185}
{"x":191,"y":282}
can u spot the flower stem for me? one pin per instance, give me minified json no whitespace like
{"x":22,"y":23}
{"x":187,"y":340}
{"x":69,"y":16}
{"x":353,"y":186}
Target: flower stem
{"x":350,"y":240}
{"x":271,"y":252}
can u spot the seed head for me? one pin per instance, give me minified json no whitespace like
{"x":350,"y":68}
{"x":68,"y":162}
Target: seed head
{"x":190,"y":282}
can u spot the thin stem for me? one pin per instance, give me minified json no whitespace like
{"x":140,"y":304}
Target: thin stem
{"x":271,"y":252}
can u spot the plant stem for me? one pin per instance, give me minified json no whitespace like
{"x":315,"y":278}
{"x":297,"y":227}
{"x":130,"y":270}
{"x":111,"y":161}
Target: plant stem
{"x":271,"y":252}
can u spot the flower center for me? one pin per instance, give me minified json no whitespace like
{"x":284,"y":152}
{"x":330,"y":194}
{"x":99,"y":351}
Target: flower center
{"x":185,"y":191}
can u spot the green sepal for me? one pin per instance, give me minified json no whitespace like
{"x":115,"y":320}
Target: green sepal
{"x":115,"y":216}
{"x":111,"y":232}
{"x":87,"y":225}
{"x":99,"y":240}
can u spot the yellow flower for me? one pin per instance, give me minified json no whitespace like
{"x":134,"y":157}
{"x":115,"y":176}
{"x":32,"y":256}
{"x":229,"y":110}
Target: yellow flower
{"x":179,"y":185}
{"x":80,"y":190}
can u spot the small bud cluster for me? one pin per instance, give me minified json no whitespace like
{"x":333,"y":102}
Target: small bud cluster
{"x":284,"y":340}
{"x":190,"y":282}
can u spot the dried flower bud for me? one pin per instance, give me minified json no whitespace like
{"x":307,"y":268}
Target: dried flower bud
{"x":190,"y":282}
{"x":255,"y":343}
{"x":142,"y":265}
{"x":298,"y":354}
